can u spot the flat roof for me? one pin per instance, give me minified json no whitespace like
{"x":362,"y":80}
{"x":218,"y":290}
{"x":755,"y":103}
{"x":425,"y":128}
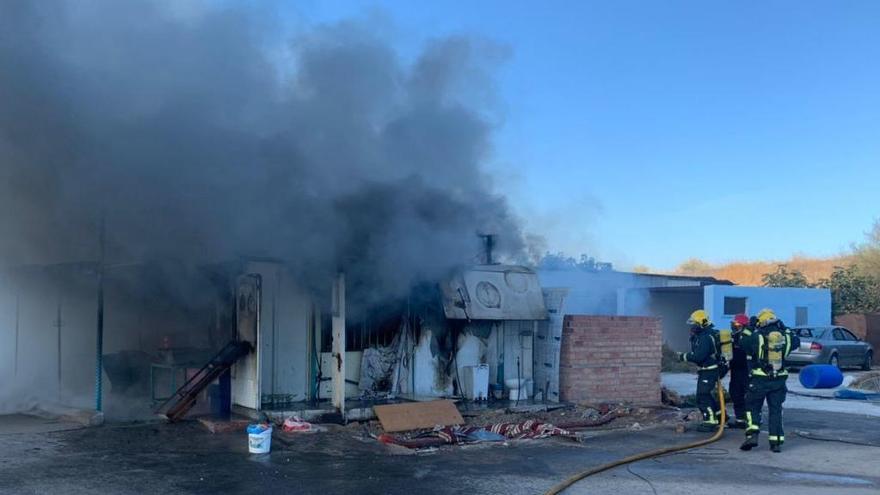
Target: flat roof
{"x":702,"y":279}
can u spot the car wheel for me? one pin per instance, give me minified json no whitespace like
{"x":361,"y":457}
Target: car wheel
{"x":834,"y":361}
{"x":869,"y":360}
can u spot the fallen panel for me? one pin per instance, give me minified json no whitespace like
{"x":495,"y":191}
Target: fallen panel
{"x":416,"y":415}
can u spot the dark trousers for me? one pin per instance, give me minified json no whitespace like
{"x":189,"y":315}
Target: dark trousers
{"x":707,"y":381}
{"x":773,"y":391}
{"x":739,"y":382}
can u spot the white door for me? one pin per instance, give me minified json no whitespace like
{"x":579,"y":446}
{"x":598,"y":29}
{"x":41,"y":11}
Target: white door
{"x":246,"y":372}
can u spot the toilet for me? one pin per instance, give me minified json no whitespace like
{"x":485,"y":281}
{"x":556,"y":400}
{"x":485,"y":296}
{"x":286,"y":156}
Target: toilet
{"x":516,"y":389}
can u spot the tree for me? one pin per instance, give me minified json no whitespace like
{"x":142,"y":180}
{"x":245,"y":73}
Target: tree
{"x":852,"y":291}
{"x":641,"y":269}
{"x":785,"y":277}
{"x":561,"y":261}
{"x":867,"y":254}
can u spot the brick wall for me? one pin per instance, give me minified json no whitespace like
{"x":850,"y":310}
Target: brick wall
{"x":610,"y":359}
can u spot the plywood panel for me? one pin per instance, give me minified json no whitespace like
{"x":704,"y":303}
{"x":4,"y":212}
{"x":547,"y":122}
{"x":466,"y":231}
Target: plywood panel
{"x":416,"y":415}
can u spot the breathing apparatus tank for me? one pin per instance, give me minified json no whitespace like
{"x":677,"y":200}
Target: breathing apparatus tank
{"x":775,"y":343}
{"x":724,"y":335}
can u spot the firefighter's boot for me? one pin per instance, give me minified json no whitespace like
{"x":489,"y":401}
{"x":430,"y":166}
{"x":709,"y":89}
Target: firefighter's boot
{"x":750,"y":443}
{"x":737,"y":423}
{"x":707,"y":427}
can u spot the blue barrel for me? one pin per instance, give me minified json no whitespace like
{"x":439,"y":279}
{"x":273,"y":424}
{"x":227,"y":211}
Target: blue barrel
{"x":821,"y":376}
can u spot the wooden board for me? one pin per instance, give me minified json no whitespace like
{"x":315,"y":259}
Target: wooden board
{"x":416,"y":415}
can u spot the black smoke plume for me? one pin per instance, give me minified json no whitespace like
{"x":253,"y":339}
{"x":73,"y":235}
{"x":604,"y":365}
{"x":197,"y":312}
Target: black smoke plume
{"x":198,"y":139}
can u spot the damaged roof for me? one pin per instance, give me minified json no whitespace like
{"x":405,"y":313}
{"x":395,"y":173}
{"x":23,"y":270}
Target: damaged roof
{"x":494,"y":292}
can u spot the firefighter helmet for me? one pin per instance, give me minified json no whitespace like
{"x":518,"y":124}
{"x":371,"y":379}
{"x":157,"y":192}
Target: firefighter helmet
{"x":766,"y":317}
{"x":741,"y":320}
{"x":699,"y":318}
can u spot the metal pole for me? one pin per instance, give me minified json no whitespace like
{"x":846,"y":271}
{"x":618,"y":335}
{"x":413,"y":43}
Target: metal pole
{"x":58,"y":336}
{"x":99,"y":341}
{"x":338,"y":343}
{"x":17,"y":320}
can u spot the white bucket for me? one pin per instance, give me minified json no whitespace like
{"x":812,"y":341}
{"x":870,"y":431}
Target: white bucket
{"x":260,"y":443}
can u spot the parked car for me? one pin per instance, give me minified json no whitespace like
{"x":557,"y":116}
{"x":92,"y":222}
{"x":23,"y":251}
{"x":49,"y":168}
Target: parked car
{"x":831,"y":345}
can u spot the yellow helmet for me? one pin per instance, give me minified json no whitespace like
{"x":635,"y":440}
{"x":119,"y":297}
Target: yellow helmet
{"x":766,"y":317}
{"x":699,"y":317}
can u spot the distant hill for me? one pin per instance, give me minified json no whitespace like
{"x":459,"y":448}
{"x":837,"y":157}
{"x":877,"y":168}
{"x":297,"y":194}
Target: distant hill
{"x":750,"y":272}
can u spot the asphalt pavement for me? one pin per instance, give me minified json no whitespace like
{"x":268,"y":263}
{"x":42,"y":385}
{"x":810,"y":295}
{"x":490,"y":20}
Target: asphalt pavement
{"x":825,"y":453}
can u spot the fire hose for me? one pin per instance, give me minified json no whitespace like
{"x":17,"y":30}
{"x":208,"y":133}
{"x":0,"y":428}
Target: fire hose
{"x":645,"y":455}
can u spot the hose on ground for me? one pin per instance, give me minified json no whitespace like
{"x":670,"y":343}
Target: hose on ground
{"x":809,"y":436}
{"x":645,"y":455}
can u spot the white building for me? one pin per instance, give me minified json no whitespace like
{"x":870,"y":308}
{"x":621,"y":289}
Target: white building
{"x":673,"y":297}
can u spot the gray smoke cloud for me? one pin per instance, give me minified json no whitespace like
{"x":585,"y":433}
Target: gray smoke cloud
{"x":198,"y":141}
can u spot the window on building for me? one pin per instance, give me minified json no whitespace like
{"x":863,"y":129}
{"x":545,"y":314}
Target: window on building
{"x":734,"y":305}
{"x":800,"y":315}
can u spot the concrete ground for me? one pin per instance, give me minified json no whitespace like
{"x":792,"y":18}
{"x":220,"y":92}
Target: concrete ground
{"x":799,"y":397}
{"x":185,"y":458}
{"x":16,"y":424}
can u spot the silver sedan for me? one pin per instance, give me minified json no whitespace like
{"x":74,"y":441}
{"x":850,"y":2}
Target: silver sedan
{"x":831,"y":345}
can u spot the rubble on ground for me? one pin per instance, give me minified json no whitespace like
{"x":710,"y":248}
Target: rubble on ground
{"x":670,"y":397}
{"x":482,"y":424}
{"x":869,"y":382}
{"x":566,"y":421}
{"x":694,"y":416}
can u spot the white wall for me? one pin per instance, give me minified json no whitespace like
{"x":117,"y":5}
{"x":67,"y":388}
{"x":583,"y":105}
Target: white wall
{"x":783,"y":301}
{"x":136,"y":317}
{"x":33,"y":301}
{"x":607,"y":292}
{"x":285,"y":322}
{"x":589,"y":293}
{"x":429,"y":381}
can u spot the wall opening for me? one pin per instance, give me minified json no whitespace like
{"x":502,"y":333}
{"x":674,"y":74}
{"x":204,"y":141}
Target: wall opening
{"x":734,"y":305}
{"x":801,"y":315}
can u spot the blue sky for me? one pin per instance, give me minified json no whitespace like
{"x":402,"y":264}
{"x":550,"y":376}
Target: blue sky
{"x":650,"y":132}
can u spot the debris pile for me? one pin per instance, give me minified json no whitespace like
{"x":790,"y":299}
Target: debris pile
{"x":295,"y":424}
{"x":409,"y":427}
{"x":538,"y":421}
{"x":670,"y":397}
{"x":869,"y":382}
{"x":453,"y":435}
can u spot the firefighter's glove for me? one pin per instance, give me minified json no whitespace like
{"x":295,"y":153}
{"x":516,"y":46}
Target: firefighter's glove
{"x":682,"y":357}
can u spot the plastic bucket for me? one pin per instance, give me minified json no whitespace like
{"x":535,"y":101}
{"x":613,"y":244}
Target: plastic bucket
{"x":259,"y":439}
{"x":820,"y":376}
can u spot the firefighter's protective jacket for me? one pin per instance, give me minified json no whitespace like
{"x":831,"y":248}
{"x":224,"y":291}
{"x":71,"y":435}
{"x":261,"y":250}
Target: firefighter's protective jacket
{"x":703,"y":348}
{"x":756,"y":345}
{"x":740,"y":356}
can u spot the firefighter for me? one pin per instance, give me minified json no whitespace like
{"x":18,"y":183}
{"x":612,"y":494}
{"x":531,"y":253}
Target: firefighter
{"x":704,"y":353}
{"x":768,"y":347}
{"x":739,"y":371}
